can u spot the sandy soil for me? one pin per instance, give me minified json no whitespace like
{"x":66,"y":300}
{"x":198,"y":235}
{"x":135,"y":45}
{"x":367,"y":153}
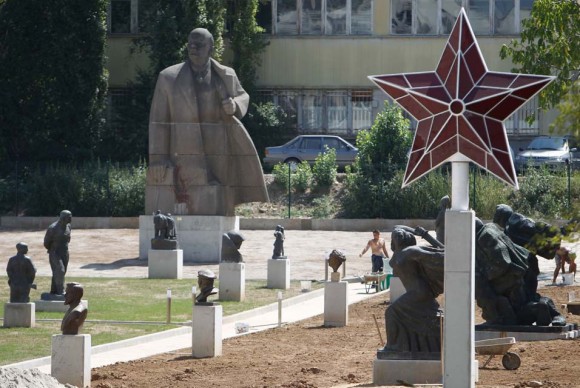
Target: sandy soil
{"x":306,"y":355}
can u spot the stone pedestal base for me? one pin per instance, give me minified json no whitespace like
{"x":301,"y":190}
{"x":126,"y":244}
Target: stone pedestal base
{"x":55,"y":305}
{"x":335,"y":276}
{"x":71,"y":359}
{"x":336,"y":304}
{"x":279,"y":273}
{"x":396,"y":288}
{"x":19,"y":315}
{"x":387,"y":372}
{"x":200,"y":237}
{"x":206,"y":330}
{"x":232,"y":282}
{"x":165,"y":264}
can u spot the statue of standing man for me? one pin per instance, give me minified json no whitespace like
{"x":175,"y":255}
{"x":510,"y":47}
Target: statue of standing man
{"x":56,"y":242}
{"x":201,"y":159}
{"x":21,"y":273}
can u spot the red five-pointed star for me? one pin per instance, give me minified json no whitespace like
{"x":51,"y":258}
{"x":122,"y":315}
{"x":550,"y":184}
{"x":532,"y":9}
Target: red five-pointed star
{"x":460,"y":108}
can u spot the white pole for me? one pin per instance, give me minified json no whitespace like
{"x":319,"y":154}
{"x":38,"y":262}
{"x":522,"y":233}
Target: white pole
{"x":459,"y":185}
{"x":279,"y":308}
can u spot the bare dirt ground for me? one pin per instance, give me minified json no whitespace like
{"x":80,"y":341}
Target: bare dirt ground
{"x":307,"y":355}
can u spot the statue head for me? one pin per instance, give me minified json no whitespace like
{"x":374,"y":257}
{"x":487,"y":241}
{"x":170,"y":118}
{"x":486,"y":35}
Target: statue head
{"x":65,"y":217}
{"x":502,"y":214}
{"x":74,"y":293}
{"x":401,"y":239}
{"x":22,"y":248}
{"x":199,"y":46}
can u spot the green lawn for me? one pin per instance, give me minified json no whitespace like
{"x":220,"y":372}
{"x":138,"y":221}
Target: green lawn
{"x":132,"y":307}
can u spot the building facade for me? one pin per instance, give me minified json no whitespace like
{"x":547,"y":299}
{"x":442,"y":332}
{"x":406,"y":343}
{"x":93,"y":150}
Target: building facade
{"x":320,"y":53}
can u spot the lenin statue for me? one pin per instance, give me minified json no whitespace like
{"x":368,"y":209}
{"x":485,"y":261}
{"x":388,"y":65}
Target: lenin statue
{"x":201,"y":159}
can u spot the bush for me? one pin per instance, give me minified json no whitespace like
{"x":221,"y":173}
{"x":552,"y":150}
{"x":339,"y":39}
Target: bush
{"x":280,"y":173}
{"x":324,"y":168}
{"x":323,"y":207}
{"x":302,"y":177}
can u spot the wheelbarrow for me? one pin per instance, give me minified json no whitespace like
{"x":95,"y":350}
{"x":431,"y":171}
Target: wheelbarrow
{"x":496,"y":347}
{"x":374,"y":279}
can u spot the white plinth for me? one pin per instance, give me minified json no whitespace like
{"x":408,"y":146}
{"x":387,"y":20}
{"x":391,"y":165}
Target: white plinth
{"x":459,"y":329}
{"x":206,"y":330}
{"x":200,"y":237}
{"x":387,"y":372}
{"x":165,"y":264}
{"x":19,"y":315}
{"x":54,"y":306}
{"x":336,"y":304}
{"x":279,"y":273}
{"x":71,"y":359}
{"x":232,"y":283}
{"x":397,"y":289}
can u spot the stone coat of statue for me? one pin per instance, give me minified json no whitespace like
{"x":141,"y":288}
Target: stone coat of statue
{"x":202,"y":159}
{"x":413,"y":320}
{"x":21,"y":273}
{"x":56,"y":242}
{"x":278,"y":242}
{"x":77,"y":312}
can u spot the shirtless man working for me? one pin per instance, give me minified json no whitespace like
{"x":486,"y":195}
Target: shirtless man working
{"x":378,"y":247}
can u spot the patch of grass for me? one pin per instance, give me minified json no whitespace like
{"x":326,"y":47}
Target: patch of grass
{"x":131,"y":308}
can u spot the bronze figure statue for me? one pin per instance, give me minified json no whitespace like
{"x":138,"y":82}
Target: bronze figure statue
{"x":231,"y":244}
{"x":77,"y":312}
{"x":56,"y":242}
{"x":278,"y":252}
{"x":21,"y":273}
{"x":205,"y":279}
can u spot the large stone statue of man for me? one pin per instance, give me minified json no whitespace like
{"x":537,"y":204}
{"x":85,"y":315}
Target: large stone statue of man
{"x":201,"y":159}
{"x":56,"y":242}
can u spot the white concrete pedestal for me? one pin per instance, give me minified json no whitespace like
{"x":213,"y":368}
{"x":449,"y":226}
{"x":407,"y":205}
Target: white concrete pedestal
{"x":165,"y":264}
{"x":71,"y":359}
{"x":200,"y":237}
{"x":397,"y":289}
{"x":206,"y":330}
{"x":55,"y":306}
{"x":279,"y":273}
{"x":232,"y":283}
{"x":336,"y":304}
{"x":387,"y":372}
{"x":19,"y":315}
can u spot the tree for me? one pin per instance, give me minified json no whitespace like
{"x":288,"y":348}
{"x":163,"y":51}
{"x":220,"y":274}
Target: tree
{"x":53,"y":78}
{"x":549,"y":44}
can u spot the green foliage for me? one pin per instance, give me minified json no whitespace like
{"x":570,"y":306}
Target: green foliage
{"x":324,"y":167}
{"x":302,"y":177}
{"x":568,"y":121}
{"x":90,"y":190}
{"x":52,"y":56}
{"x":323,"y":207}
{"x":489,"y":192}
{"x":549,"y":44}
{"x":281,"y":174}
{"x":265,"y":122}
{"x":247,"y":40}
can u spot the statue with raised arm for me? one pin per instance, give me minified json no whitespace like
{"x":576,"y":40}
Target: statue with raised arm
{"x":202,"y":160}
{"x":21,"y":273}
{"x":56,"y":242}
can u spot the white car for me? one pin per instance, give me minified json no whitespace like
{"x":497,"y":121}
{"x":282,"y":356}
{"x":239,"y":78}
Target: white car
{"x":553,"y":152}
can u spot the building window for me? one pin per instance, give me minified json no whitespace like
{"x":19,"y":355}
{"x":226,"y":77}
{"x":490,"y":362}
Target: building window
{"x":122,"y":17}
{"x":437,"y":17}
{"x":341,"y":112}
{"x":518,"y":123}
{"x":322,"y":17}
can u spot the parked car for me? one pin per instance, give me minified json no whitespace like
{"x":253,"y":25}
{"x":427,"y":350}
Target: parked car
{"x":307,"y":147}
{"x":551,"y":151}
